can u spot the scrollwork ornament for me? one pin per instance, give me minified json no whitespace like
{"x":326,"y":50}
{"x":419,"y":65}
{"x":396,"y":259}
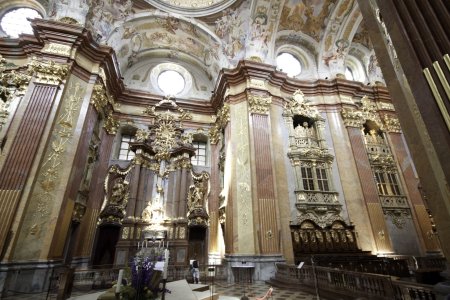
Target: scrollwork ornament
{"x":99,"y":98}
{"x":398,"y":216}
{"x":222,"y":118}
{"x":12,"y":84}
{"x":48,"y":73}
{"x":259,"y":104}
{"x":352,"y":117}
{"x":298,"y":105}
{"x":111,"y":124}
{"x":392,"y":124}
{"x":141,"y":135}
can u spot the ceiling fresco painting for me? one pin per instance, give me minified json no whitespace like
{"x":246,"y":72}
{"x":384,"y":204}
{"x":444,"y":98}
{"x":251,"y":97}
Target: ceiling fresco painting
{"x":207,"y":36}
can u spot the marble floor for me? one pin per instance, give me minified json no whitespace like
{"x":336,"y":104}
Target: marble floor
{"x":225,"y":290}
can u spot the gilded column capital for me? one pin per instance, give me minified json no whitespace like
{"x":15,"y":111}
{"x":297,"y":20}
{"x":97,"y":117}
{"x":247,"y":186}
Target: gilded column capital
{"x":48,"y":73}
{"x":111,"y":124}
{"x":259,"y":104}
{"x":352,"y":117}
{"x":221,"y":120}
{"x":392,"y":124}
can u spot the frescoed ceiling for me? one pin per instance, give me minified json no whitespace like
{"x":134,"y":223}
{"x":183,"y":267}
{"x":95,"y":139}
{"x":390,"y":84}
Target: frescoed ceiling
{"x":206,"y":36}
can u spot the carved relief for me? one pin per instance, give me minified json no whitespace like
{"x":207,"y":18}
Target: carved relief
{"x":398,"y":216}
{"x":392,"y":124}
{"x":12,"y":84}
{"x":308,"y":154}
{"x":298,"y":105}
{"x":48,"y":73}
{"x":259,"y":104}
{"x":116,"y":196}
{"x":56,"y":48}
{"x":222,"y":119}
{"x":356,"y":118}
{"x":49,"y":177}
{"x":111,"y":125}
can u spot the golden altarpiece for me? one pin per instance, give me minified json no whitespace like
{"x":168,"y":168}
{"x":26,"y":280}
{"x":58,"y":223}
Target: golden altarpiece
{"x":293,"y":166}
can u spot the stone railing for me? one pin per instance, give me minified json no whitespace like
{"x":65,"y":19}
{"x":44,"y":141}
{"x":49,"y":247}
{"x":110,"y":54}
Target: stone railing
{"x":318,"y":201}
{"x":393,"y":201}
{"x":305,"y":142}
{"x":335,"y":283}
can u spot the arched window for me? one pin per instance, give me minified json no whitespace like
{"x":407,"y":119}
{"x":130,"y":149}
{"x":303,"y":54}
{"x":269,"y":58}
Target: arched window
{"x":124,"y":152}
{"x":349,"y":74}
{"x":289,"y":64}
{"x":15,"y":21}
{"x":200,"y":144}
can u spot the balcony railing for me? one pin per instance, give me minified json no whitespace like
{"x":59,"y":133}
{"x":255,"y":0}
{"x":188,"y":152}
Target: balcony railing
{"x":351,"y":284}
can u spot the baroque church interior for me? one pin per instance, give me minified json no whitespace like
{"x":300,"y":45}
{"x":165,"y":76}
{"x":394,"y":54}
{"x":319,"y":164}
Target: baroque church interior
{"x":243,"y":134}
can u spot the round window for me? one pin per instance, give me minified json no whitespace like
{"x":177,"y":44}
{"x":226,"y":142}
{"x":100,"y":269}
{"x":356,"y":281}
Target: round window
{"x":289,"y":64}
{"x":171,"y":82}
{"x":15,"y":21}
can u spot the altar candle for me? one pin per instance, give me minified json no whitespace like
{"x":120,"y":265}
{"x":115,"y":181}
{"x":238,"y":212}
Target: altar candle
{"x":166,"y":263}
{"x":119,"y":281}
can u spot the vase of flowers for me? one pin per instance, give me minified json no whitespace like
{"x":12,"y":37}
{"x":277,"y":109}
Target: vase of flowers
{"x":144,"y":278}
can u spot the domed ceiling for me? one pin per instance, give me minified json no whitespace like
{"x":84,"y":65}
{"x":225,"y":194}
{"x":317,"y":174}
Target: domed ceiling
{"x":194,"y":8}
{"x":203,"y":37}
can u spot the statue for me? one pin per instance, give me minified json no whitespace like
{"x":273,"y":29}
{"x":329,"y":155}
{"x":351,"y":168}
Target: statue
{"x":119,"y":193}
{"x":198,"y":192}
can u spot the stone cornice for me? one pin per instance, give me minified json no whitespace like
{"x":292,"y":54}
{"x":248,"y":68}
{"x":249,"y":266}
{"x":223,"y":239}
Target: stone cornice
{"x":275,"y":80}
{"x":72,"y":44}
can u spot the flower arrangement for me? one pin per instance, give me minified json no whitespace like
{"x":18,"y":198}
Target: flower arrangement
{"x":144,"y":278}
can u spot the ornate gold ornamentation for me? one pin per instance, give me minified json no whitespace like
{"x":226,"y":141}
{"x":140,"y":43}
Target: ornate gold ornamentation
{"x":78,"y":212}
{"x":356,"y":118}
{"x":49,"y":177}
{"x":56,"y":48}
{"x":68,"y":20}
{"x":141,"y":135}
{"x":199,"y":191}
{"x":125,"y":233}
{"x":182,"y":233}
{"x":99,"y":98}
{"x":111,"y":125}
{"x":259,"y":104}
{"x":352,"y":117}
{"x":48,"y":73}
{"x":298,"y":105}
{"x":222,"y":118}
{"x":12,"y":84}
{"x":386,"y":106}
{"x":115,"y":201}
{"x":182,"y":114}
{"x":392,"y":124}
{"x":165,"y":136}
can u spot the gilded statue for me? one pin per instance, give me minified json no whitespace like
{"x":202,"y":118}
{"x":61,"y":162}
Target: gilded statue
{"x":198,"y":192}
{"x":119,"y":193}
